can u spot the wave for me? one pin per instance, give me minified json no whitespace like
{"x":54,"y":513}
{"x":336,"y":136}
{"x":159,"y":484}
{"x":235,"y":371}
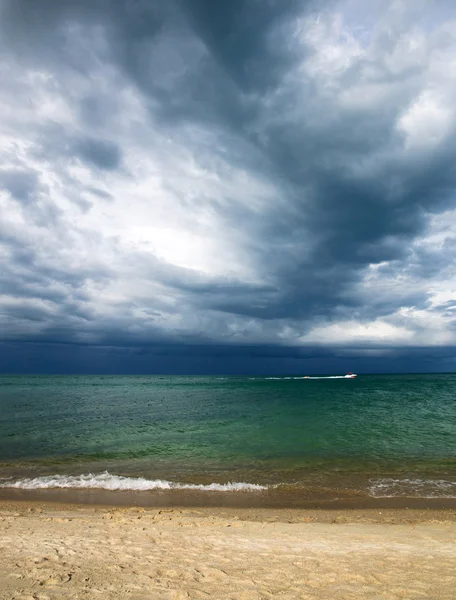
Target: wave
{"x":412,"y":488}
{"x":378,"y":488}
{"x":106,"y":481}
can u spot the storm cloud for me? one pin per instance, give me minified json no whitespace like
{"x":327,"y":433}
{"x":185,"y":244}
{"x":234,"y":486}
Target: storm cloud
{"x":188,"y":185}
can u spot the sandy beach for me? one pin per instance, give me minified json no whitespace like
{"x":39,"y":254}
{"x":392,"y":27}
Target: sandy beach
{"x":50,"y":551}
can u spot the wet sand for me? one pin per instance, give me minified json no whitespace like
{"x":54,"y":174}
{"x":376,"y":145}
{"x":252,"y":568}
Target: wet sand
{"x":54,"y":550}
{"x":345,"y":499}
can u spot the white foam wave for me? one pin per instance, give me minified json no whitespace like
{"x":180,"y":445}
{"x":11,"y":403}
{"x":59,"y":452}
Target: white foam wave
{"x":106,"y":481}
{"x":412,"y":488}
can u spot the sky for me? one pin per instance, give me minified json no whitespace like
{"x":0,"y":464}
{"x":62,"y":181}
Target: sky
{"x":252,"y":186}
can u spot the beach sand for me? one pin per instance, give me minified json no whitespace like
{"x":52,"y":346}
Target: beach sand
{"x":50,"y":551}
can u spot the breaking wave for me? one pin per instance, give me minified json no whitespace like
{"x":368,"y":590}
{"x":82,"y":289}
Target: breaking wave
{"x":106,"y":481}
{"x":412,"y":488}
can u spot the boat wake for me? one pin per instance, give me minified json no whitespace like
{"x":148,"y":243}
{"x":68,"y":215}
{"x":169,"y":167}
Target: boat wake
{"x":348,"y":376}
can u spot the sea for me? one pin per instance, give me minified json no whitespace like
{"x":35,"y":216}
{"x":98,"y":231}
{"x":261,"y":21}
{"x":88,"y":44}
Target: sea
{"x":256,"y":441}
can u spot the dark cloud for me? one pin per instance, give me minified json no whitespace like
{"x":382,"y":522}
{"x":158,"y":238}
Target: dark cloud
{"x":99,"y":193}
{"x":25,"y":186}
{"x":20,"y":184}
{"x":102,"y":153}
{"x":266,"y":88}
{"x":238,"y":36}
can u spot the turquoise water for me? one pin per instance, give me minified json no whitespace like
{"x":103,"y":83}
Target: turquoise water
{"x":386,"y":434}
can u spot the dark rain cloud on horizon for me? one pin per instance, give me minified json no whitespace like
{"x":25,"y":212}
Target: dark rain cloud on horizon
{"x":252,"y":174}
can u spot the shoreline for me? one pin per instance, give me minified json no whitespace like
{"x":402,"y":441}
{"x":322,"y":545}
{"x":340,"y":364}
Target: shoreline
{"x":334,"y":514}
{"x":54,"y":550}
{"x":187,"y":499}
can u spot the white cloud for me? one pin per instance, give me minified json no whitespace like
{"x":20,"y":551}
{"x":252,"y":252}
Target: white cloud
{"x":353,"y":332}
{"x":427,"y":122}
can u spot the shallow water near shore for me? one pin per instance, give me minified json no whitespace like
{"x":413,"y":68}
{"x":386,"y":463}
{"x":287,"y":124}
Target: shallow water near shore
{"x":375,"y":437}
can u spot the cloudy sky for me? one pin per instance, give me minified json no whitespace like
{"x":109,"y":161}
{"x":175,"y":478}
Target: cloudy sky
{"x":233,"y":186}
